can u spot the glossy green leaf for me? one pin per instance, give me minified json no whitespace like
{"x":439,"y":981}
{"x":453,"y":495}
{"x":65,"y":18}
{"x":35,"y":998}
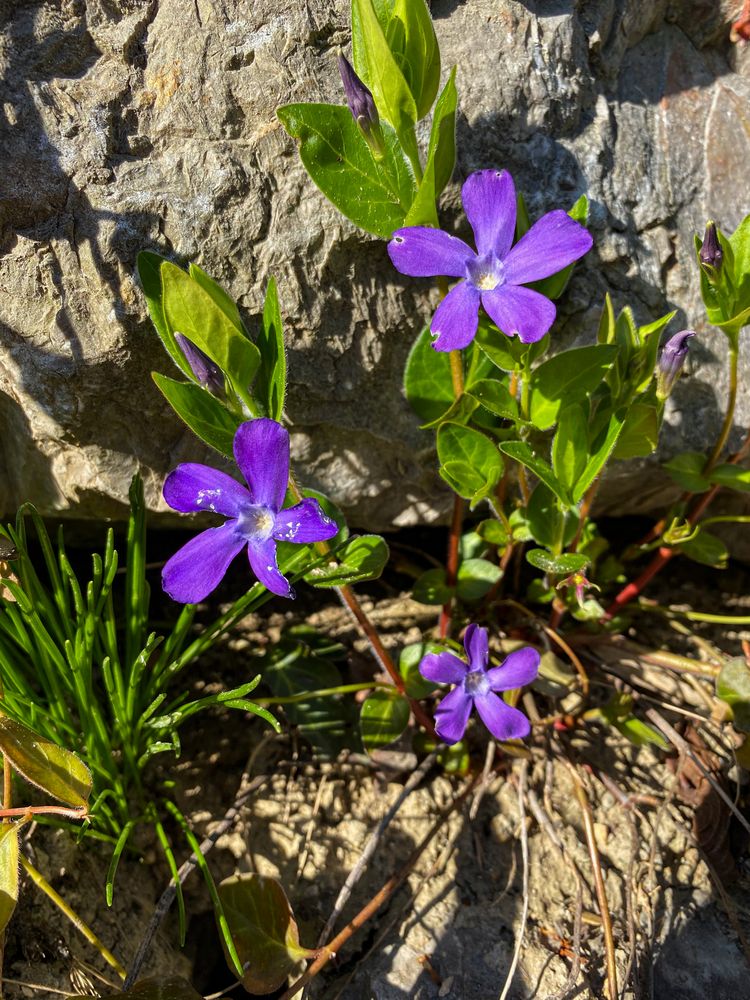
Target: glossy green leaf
{"x":431,"y":588}
{"x":544,"y":519}
{"x":733,"y":687}
{"x":270,"y":386}
{"x":522,"y":452}
{"x":570,"y":444}
{"x":464,"y":479}
{"x":411,"y":38}
{"x":8,"y":872}
{"x":374,"y":195}
{"x":640,"y":433}
{"x":475,"y":579}
{"x":465,"y":445}
{"x":157,"y":988}
{"x":705,"y":548}
{"x":201,"y":411}
{"x":600,"y":451}
{"x":263,"y":929}
{"x":408,"y":666}
{"x":362,"y":558}
{"x":566,"y":376}
{"x":149,"y":272}
{"x":732,"y":477}
{"x":495,"y":397}
{"x":189,"y":309}
{"x":687,"y":471}
{"x":384,"y":717}
{"x":441,"y":157}
{"x":427,"y":379}
{"x":377,"y":66}
{"x":563,"y":565}
{"x":740,"y":244}
{"x":507,"y":353}
{"x":222,"y":299}
{"x":56,"y":771}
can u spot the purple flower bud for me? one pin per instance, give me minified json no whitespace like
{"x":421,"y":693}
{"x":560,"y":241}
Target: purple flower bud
{"x":671,"y":361}
{"x":362,"y":106}
{"x":711,"y":255}
{"x":207,"y":373}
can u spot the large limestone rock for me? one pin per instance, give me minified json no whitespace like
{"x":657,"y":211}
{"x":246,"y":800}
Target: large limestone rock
{"x":127,"y":124}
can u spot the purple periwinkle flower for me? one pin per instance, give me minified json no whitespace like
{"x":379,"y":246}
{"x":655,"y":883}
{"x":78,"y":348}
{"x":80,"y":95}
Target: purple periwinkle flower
{"x":495,"y":274}
{"x":255,"y":515}
{"x":362,"y":106}
{"x":207,"y":372}
{"x":476,"y":685}
{"x":711,"y":254}
{"x":671,"y":361}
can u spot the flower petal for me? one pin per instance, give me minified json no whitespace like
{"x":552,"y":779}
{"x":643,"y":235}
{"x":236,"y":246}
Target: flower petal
{"x":456,"y":318}
{"x":305,"y":522}
{"x":503,"y":721}
{"x":516,"y":670}
{"x":199,"y":567}
{"x":423,"y":252}
{"x":261,"y":449}
{"x":262,"y":556}
{"x":489,"y":198}
{"x":551,"y":244}
{"x":192,"y":487}
{"x":520,"y":311}
{"x":443,"y":668}
{"x":476,"y":646}
{"x":452,"y":714}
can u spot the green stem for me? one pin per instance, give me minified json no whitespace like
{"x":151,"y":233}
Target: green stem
{"x":293,"y":699}
{"x":726,"y":427}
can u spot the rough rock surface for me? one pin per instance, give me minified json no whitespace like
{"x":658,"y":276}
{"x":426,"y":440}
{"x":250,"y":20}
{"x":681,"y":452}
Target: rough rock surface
{"x":127,"y":124}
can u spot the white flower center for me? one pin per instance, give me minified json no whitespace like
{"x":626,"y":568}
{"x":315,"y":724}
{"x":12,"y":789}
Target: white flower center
{"x":476,"y":683}
{"x":256,"y":522}
{"x":486,"y":272}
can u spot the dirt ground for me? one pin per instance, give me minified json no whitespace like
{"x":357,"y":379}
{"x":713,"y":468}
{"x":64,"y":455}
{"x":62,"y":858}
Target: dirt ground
{"x":452,"y":929}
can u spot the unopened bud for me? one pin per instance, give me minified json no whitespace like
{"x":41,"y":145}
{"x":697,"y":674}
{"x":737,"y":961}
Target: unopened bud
{"x":671,"y":361}
{"x":362,"y":106}
{"x":207,"y":373}
{"x":711,"y":255}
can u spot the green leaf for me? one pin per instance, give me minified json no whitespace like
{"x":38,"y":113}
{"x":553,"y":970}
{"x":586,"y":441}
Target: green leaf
{"x":222,"y":299}
{"x":56,"y":771}
{"x":189,"y":309}
{"x":568,"y":375}
{"x":570,"y":444}
{"x":495,"y":397}
{"x":544,"y":519}
{"x":640,"y":733}
{"x":464,"y":445}
{"x":494,"y":532}
{"x":522,"y":452}
{"x":411,"y":38}
{"x":431,"y":588}
{"x":475,"y":579}
{"x":270,"y":386}
{"x":374,"y":195}
{"x":507,"y":353}
{"x":733,"y":687}
{"x":640,"y":432}
{"x":740,"y":244}
{"x":263,"y":929}
{"x":441,"y":156}
{"x":731,"y":476}
{"x":378,"y":68}
{"x":149,"y":272}
{"x":563,"y":565}
{"x":600,"y":451}
{"x":202,"y":412}
{"x":554,"y":286}
{"x":427,"y":379}
{"x":8,"y":872}
{"x":362,"y":558}
{"x":384,"y":717}
{"x":157,"y":988}
{"x":459,"y":412}
{"x":408,"y":666}
{"x":687,"y":471}
{"x":705,"y":548}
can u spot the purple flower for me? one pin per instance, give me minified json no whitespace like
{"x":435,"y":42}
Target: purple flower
{"x":671,"y":361}
{"x":255,"y":517}
{"x":493,"y":276}
{"x":476,"y":685}
{"x":711,"y":255}
{"x":207,"y":373}
{"x":362,"y":106}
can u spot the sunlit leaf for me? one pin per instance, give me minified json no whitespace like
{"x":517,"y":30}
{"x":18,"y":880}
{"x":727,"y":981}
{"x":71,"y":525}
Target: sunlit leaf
{"x":8,"y":873}
{"x":56,"y":771}
{"x":383,"y":718}
{"x":363,"y":558}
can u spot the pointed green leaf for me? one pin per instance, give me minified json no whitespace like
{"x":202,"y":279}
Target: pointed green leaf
{"x":411,"y":38}
{"x":640,"y":432}
{"x":571,"y":444}
{"x":263,"y":929}
{"x":565,"y":376}
{"x":383,"y":718}
{"x":271,"y":378}
{"x":222,"y":299}
{"x":441,"y":158}
{"x":56,"y":771}
{"x":427,"y":379}
{"x":601,"y":449}
{"x":733,"y":477}
{"x":201,"y":411}
{"x":687,"y":471}
{"x":149,"y":272}
{"x":8,"y":873}
{"x":363,"y":558}
{"x":564,"y":565}
{"x":456,"y":443}
{"x":495,"y":397}
{"x":522,"y":452}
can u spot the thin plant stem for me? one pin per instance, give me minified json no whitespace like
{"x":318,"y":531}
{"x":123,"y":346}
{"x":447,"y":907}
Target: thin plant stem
{"x":381,"y":897}
{"x":726,"y":427}
{"x":41,"y":883}
{"x":293,"y":699}
{"x":451,"y":566}
{"x":68,"y":813}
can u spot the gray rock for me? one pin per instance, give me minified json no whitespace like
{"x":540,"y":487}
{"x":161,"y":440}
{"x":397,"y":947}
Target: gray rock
{"x":151,"y":123}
